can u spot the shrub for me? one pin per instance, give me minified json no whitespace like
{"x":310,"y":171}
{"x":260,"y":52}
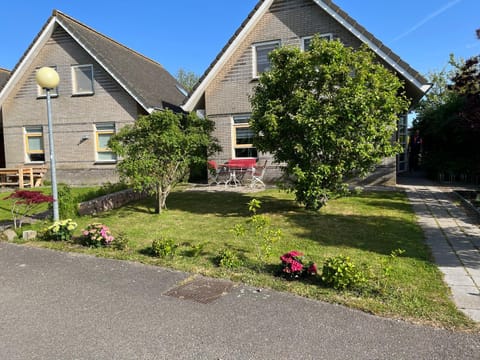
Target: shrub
{"x":340,"y":273}
{"x":96,"y":235}
{"x":293,"y":266}
{"x":164,"y":247}
{"x":67,"y":202}
{"x":228,"y":259}
{"x":120,"y":242}
{"x":60,"y":230}
{"x":25,"y":203}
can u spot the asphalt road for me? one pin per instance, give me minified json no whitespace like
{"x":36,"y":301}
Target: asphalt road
{"x":64,"y":306}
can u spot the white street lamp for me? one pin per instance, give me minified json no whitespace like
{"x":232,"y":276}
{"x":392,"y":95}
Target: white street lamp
{"x":48,"y":79}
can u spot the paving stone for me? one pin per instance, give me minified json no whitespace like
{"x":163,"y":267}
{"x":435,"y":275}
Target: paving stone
{"x":466,"y":297}
{"x":473,"y":314}
{"x":460,"y":280}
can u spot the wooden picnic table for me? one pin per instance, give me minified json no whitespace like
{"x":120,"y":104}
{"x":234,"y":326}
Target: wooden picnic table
{"x":22,"y":177}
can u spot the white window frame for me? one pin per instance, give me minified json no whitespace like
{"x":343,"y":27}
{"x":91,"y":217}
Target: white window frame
{"x":240,"y":125}
{"x":41,"y":93}
{"x":74,"y":80}
{"x":33,"y":131}
{"x":328,"y":36}
{"x":99,"y":150}
{"x":275,"y":43}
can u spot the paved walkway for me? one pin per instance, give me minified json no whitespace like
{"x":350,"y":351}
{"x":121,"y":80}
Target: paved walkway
{"x":454,"y":237}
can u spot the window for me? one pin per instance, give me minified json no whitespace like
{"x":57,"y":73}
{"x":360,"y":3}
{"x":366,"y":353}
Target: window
{"x":82,"y":79}
{"x":243,"y":138}
{"x":34,"y":150}
{"x":261,"y":62}
{"x":103,"y":133}
{"x":41,"y":93}
{"x":307,"y":40}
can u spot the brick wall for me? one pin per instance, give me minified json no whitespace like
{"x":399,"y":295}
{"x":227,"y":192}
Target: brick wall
{"x":73,"y":117}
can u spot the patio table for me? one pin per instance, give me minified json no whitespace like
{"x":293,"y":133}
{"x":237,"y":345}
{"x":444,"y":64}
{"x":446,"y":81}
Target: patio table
{"x":237,"y":169}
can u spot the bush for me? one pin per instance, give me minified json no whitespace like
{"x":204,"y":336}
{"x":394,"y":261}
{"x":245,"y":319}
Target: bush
{"x":96,"y":235}
{"x":228,"y":259}
{"x":293,"y":266}
{"x":120,"y":242}
{"x":60,"y":230}
{"x":25,"y":203}
{"x":164,"y":247}
{"x":340,"y":273}
{"x":67,"y":202}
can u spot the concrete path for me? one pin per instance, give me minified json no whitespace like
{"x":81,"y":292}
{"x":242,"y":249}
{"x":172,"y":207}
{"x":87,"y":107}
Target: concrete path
{"x":454,"y":237}
{"x":57,"y":305}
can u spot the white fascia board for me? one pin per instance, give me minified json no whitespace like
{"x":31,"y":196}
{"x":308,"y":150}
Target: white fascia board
{"x":371,"y":45}
{"x":93,"y":55}
{"x":195,"y":97}
{"x":27,"y":60}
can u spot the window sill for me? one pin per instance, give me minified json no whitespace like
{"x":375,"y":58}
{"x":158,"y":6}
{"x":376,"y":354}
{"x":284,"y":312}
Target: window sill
{"x":106,"y":162}
{"x":45,"y":96}
{"x":83,"y":94}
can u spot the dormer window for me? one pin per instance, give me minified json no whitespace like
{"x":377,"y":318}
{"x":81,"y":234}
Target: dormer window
{"x":82,"y":79}
{"x":261,"y":62}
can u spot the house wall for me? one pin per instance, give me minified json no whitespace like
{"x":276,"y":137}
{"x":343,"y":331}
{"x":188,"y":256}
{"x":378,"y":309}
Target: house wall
{"x":228,"y":94}
{"x":73,"y":117}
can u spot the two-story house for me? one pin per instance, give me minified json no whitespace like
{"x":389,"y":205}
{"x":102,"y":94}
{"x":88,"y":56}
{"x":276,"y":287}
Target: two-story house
{"x":223,"y":91}
{"x":103,"y":86}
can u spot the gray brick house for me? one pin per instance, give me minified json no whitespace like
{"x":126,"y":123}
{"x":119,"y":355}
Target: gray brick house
{"x":223,"y":91}
{"x":103,"y":86}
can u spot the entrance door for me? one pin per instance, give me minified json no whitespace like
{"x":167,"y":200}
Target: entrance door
{"x":402,"y":138}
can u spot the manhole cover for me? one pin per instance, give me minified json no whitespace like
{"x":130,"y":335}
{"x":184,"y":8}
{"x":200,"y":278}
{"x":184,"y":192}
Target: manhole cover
{"x":202,"y":290}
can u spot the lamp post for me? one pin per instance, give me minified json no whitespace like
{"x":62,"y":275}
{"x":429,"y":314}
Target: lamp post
{"x":48,"y":79}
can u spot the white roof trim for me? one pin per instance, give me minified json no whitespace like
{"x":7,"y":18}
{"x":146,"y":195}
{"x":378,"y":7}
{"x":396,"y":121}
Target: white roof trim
{"x":196,"y":95}
{"x":27,"y":60}
{"x":370,"y":44}
{"x":149,"y":110}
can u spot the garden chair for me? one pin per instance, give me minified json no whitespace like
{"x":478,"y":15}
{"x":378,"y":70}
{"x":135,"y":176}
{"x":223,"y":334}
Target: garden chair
{"x":257,"y":175}
{"x":218,"y":172}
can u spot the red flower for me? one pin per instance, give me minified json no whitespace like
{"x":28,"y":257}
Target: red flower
{"x":296,"y":266}
{"x":295,"y":253}
{"x":312,"y":270}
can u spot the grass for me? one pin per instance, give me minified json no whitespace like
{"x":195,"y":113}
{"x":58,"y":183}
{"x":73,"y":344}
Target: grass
{"x":366,"y":227}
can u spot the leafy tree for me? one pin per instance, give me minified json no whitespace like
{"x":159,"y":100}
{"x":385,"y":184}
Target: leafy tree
{"x":328,"y":113}
{"x":449,"y":121}
{"x":188,"y":79}
{"x":158,"y":149}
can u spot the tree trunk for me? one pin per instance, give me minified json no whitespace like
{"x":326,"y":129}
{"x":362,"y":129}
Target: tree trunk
{"x":158,"y":198}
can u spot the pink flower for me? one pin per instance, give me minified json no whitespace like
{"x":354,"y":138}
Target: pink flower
{"x":296,"y":266}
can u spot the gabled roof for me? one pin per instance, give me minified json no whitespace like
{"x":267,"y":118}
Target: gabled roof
{"x":145,"y":80}
{"x":418,"y":84}
{"x":4,"y":74}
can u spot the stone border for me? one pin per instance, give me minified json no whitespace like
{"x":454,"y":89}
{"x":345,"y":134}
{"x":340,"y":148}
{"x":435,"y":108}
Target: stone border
{"x":110,"y":201}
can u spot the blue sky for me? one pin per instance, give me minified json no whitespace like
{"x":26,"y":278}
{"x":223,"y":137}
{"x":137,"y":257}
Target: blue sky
{"x":189,"y":34}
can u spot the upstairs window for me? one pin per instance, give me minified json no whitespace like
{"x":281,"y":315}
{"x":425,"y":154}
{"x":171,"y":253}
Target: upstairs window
{"x":243,"y":138}
{"x":261,"y":62}
{"x":34,"y":149}
{"x":103,"y":133}
{"x":307,"y":40}
{"x":82,"y":80}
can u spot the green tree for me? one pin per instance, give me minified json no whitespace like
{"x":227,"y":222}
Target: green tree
{"x":188,"y":79}
{"x":328,"y":114}
{"x":158,"y":149}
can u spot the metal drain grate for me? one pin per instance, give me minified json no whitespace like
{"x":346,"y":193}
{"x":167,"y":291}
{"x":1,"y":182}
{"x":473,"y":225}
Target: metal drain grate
{"x":202,"y":290}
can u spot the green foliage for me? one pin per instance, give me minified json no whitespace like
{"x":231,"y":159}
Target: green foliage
{"x":188,"y":79}
{"x":197,"y":249}
{"x":448,"y":120}
{"x":259,"y":231}
{"x":228,"y":259}
{"x":158,"y":149}
{"x":164,"y":247}
{"x":120,"y":242}
{"x":67,"y":202}
{"x":328,"y":113}
{"x":340,"y":273}
{"x":60,"y":231}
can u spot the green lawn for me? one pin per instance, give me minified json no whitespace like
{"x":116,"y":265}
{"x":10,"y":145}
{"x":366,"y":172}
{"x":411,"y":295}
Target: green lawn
{"x":366,"y":227}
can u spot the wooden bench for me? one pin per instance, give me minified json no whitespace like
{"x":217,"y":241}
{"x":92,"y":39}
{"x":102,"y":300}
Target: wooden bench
{"x":22,"y":177}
